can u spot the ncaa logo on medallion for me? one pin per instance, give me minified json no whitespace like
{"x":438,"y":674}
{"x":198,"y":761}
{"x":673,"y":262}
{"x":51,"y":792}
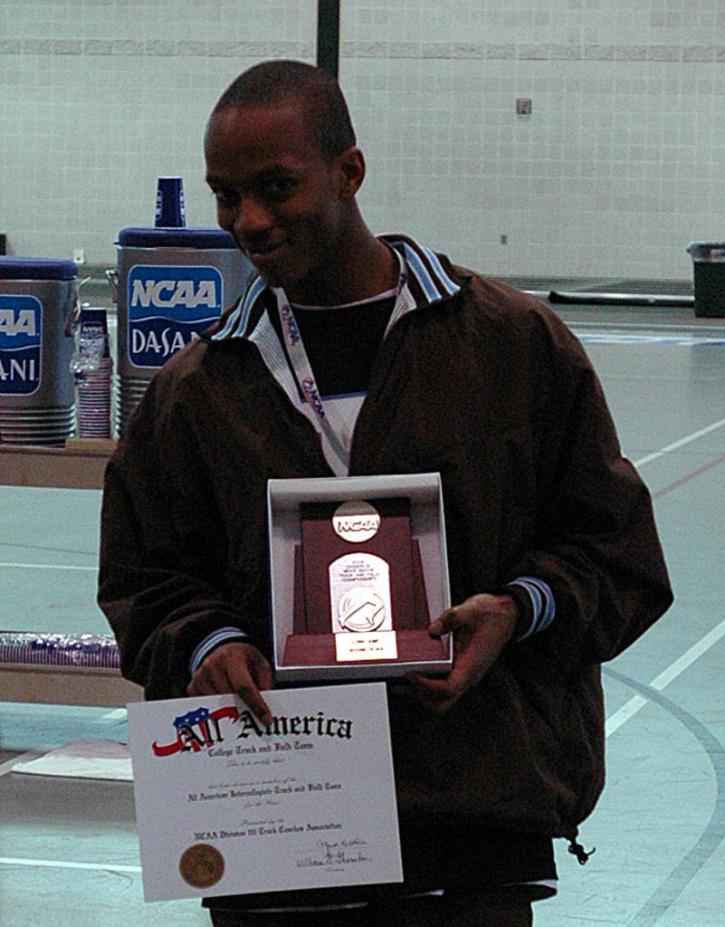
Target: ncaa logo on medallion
{"x":356,"y":521}
{"x":21,"y":337}
{"x":169,"y":306}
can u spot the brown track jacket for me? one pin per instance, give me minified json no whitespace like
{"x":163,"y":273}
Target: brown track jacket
{"x":492,"y":391}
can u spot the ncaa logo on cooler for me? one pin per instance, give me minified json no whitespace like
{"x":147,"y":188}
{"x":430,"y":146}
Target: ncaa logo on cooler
{"x":169,"y":306}
{"x":21,"y":336}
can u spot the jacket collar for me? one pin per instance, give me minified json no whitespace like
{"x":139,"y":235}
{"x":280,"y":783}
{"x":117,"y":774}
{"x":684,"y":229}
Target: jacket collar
{"x":427,"y":278}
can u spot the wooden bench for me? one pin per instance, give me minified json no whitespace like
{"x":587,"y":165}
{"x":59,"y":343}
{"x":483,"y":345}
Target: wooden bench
{"x":78,"y":465}
{"x":63,"y":670}
{"x":67,"y":685}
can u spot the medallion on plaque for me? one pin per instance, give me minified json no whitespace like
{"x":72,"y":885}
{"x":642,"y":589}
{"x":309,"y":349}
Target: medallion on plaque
{"x":359,"y":591}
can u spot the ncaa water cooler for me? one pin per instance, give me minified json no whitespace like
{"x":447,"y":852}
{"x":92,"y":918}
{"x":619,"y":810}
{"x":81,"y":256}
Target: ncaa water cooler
{"x":173,"y":283}
{"x":37,"y":395}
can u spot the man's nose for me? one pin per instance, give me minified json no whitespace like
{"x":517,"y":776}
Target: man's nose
{"x":252,"y":218}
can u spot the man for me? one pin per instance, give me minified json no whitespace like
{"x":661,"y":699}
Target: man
{"x":405,"y":364}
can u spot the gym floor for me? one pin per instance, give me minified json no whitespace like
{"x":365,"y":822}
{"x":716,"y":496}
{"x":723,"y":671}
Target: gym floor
{"x":69,"y":849}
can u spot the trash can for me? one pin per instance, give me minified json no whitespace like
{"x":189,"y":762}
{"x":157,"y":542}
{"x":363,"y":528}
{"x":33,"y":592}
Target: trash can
{"x":37,"y":396}
{"x":709,"y":272}
{"x":172,"y":284}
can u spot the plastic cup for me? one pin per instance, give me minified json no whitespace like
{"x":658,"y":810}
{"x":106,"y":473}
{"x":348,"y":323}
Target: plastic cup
{"x":170,"y":209}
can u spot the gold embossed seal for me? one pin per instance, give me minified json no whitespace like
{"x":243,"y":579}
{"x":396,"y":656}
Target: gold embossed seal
{"x":201,"y":865}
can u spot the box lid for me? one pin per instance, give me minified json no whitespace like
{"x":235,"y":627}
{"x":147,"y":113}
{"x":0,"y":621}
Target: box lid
{"x":30,"y":268}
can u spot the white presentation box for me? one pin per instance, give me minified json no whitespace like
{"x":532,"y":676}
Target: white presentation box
{"x":358,"y":569}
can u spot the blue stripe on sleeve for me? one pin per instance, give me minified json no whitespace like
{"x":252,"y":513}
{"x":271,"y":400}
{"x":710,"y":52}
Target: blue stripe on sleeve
{"x":542,"y":600}
{"x":212,"y":641}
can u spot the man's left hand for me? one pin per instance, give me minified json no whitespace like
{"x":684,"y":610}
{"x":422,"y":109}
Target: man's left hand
{"x":481,"y":627}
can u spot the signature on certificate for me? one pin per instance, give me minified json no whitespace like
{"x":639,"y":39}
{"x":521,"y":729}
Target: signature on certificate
{"x":336,"y":855}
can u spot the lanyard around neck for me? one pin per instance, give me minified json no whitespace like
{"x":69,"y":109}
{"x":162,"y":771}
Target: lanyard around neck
{"x":324,"y":416}
{"x":300,"y":363}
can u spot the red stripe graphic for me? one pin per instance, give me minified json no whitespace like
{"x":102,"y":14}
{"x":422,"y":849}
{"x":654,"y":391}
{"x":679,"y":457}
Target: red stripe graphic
{"x":689,"y":476}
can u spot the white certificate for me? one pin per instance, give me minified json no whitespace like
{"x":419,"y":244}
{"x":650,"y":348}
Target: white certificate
{"x":225,"y":805}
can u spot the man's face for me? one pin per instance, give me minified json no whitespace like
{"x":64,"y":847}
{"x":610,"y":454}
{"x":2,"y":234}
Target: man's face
{"x":277,"y":194}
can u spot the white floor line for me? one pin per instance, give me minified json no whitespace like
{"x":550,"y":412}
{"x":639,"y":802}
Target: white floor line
{"x":60,"y":864}
{"x":623,"y":714}
{"x":21,"y":758}
{"x":47,"y":566}
{"x":688,"y":657}
{"x":637,"y":702}
{"x":681,"y":443}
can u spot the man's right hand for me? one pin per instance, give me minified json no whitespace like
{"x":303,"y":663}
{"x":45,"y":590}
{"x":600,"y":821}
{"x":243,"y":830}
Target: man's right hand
{"x":236,"y":668}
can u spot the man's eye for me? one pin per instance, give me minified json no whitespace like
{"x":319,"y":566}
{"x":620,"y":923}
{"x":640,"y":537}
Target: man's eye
{"x":280,"y":186}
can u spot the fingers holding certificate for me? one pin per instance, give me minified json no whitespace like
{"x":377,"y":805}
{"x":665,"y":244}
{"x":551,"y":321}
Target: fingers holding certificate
{"x":236,"y":667}
{"x":252,"y":807}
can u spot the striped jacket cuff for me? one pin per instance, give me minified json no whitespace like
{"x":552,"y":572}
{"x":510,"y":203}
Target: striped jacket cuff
{"x":221,"y":636}
{"x":536,"y":603}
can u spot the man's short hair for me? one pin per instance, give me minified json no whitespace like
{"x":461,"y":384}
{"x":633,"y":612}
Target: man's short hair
{"x":274,"y":82}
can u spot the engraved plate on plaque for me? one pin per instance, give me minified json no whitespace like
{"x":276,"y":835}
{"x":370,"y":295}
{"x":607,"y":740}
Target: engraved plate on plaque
{"x":360,"y":594}
{"x":380,"y":645}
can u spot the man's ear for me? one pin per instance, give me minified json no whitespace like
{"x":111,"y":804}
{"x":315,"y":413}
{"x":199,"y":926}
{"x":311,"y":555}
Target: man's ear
{"x":351,"y":164}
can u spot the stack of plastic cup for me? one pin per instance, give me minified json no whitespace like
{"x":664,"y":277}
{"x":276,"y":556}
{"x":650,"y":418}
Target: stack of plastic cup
{"x":93,"y":369}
